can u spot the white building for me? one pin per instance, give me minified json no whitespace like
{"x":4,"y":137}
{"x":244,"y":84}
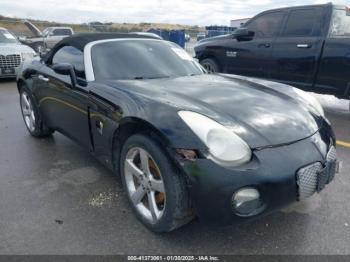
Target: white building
{"x":238,"y":22}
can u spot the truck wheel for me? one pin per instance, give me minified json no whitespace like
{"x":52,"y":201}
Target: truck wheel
{"x":210,"y":65}
{"x":157,"y":192}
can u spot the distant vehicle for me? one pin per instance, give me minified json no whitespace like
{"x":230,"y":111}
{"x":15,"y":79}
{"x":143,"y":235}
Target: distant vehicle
{"x":201,"y":36}
{"x":187,"y":37}
{"x":148,"y":34}
{"x":12,"y":54}
{"x":43,"y":41}
{"x":307,"y":47}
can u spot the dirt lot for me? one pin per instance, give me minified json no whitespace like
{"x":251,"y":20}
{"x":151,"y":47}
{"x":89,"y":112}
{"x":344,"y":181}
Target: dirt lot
{"x":56,"y":199}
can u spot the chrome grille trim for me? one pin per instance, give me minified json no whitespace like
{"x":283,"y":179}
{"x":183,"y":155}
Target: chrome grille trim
{"x":10,"y":61}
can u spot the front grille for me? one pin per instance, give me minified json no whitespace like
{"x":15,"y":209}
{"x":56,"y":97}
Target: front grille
{"x":10,"y":61}
{"x":314,"y":177}
{"x":307,"y":180}
{"x":332,"y":158}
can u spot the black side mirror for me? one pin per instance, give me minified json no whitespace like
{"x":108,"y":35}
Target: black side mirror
{"x":66,"y":69}
{"x":243,"y":34}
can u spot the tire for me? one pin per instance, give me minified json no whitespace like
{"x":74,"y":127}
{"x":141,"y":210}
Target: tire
{"x":171,"y":202}
{"x":31,"y":116}
{"x":210,"y":65}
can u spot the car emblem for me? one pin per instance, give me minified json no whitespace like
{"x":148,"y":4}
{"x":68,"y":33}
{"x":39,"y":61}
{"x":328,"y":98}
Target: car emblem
{"x":231,"y":54}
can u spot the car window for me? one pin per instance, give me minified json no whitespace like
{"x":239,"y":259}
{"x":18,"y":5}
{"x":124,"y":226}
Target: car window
{"x":62,"y":32}
{"x":303,"y":22}
{"x":73,"y":56}
{"x":340,"y":25}
{"x":266,"y":25}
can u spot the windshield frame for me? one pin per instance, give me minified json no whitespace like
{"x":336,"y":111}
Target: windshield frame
{"x":89,"y":70}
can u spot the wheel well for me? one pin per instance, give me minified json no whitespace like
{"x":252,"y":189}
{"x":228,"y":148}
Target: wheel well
{"x":20,"y":84}
{"x":129,"y":127}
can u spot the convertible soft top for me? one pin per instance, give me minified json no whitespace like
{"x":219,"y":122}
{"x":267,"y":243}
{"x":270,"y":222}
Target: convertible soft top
{"x":79,"y":41}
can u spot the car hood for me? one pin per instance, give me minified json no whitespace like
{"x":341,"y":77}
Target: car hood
{"x":214,"y":38}
{"x":6,"y":49}
{"x":263,"y":113}
{"x":36,"y":32}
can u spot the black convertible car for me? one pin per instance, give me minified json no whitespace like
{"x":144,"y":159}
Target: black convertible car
{"x":223,"y":147}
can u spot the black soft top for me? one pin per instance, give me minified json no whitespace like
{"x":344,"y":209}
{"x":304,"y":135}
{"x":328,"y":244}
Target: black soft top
{"x":79,"y":41}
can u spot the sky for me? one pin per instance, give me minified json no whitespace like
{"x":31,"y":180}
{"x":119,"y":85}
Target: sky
{"x":188,"y":12}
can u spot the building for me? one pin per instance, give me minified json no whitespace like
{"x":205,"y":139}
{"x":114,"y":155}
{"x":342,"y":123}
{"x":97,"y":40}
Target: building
{"x":238,"y":22}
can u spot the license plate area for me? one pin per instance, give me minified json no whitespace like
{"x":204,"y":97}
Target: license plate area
{"x":8,"y":71}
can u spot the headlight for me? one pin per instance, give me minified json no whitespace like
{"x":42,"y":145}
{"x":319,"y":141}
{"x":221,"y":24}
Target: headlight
{"x":311,"y":100}
{"x":225,"y":147}
{"x":28,"y":56}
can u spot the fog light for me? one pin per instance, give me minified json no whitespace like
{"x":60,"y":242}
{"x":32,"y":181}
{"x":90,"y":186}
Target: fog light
{"x":247,"y":202}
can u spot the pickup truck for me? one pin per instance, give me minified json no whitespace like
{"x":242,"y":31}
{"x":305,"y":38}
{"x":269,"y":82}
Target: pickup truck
{"x":44,"y":41}
{"x":306,"y":46}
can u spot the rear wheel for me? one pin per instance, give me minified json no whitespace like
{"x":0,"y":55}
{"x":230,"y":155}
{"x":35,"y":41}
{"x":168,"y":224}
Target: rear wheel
{"x":210,"y":65}
{"x":156,"y":191}
{"x":31,"y":115}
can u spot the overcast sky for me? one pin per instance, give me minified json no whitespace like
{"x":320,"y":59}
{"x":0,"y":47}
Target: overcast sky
{"x":191,"y":12}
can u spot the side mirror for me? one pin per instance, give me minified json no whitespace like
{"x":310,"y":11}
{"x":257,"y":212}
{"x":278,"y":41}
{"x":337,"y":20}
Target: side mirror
{"x":66,"y":69}
{"x":243,"y":34}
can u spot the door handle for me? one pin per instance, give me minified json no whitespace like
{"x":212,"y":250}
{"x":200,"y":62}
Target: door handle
{"x":304,"y":45}
{"x":43,"y":78}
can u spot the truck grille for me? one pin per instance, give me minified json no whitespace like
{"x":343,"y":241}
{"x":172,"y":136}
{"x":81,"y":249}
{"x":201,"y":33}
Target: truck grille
{"x":10,"y":61}
{"x":311,"y":177}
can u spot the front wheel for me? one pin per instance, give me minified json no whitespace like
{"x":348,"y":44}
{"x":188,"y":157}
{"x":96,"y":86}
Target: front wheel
{"x":156,"y":191}
{"x":210,"y":65}
{"x":31,"y":115}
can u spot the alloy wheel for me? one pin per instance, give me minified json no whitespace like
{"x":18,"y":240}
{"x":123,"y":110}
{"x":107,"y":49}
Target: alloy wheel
{"x":144,"y":184}
{"x":28,"y":111}
{"x":209,"y":68}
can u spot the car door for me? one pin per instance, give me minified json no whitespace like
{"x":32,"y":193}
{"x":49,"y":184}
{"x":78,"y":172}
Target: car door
{"x":297,"y":49}
{"x":253,"y":58}
{"x":64,"y":107}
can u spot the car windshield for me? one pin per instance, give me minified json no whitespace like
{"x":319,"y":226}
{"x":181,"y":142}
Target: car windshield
{"x":6,"y":37}
{"x":340,"y":23}
{"x":141,"y":59}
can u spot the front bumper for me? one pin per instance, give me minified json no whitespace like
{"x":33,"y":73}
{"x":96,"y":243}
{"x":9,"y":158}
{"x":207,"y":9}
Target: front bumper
{"x":273,"y":171}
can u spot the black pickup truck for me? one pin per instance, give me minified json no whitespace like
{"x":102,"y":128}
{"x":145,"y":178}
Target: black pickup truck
{"x":307,"y":47}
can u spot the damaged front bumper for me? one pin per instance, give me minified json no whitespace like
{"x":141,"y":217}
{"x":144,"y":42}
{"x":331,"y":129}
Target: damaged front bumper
{"x":279,"y":174}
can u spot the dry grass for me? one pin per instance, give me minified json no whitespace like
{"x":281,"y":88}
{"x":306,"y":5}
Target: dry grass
{"x":16,"y":26}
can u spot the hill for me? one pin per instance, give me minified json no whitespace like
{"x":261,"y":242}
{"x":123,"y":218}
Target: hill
{"x":16,"y":26}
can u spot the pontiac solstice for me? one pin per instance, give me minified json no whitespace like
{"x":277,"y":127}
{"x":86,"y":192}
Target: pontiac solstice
{"x":186,"y":143}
